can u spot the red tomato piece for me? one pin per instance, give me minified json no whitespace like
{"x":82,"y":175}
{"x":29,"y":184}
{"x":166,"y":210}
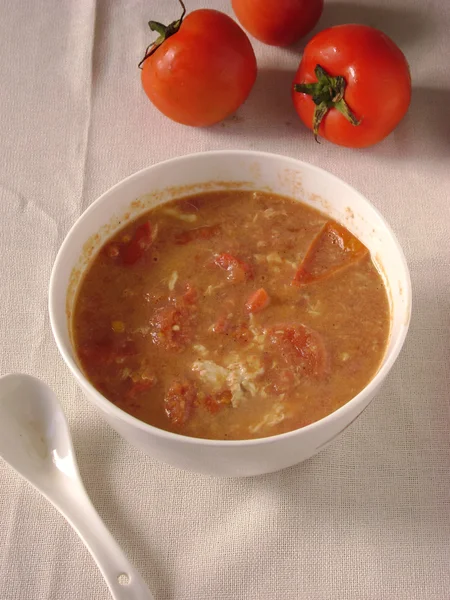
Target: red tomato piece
{"x":179,"y":401}
{"x":301,"y":347}
{"x":237,"y":270}
{"x":222,"y":325}
{"x":201,"y":233}
{"x":258,"y":301}
{"x":200,"y":69}
{"x":213,"y":403}
{"x":278,"y":22}
{"x":353,"y":85}
{"x":139,"y":244}
{"x":171,"y":328}
{"x":333,"y":249}
{"x":172,"y":325}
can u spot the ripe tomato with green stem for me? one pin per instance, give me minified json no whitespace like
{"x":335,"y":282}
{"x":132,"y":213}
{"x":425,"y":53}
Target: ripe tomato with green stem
{"x":353,"y":85}
{"x":278,"y":22}
{"x":200,"y":69}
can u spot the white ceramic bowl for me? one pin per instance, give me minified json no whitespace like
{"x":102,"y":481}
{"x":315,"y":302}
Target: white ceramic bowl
{"x":219,"y":170}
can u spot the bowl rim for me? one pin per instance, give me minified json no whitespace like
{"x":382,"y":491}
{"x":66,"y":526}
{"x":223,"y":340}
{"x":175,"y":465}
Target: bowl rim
{"x":108,"y":407}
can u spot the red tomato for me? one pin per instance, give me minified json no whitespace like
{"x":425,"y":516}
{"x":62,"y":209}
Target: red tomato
{"x":360,"y":82}
{"x":257,"y":301}
{"x":237,"y":270}
{"x":278,"y":22}
{"x":200,"y":70}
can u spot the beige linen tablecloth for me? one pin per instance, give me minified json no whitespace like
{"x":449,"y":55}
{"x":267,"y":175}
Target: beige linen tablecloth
{"x":369,"y":518}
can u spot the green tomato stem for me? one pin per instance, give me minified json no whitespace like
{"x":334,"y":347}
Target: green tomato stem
{"x":326,"y":93}
{"x":165,"y":31}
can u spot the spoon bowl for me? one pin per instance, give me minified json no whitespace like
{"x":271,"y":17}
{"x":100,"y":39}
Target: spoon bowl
{"x":34,"y":436}
{"x":35,"y":440}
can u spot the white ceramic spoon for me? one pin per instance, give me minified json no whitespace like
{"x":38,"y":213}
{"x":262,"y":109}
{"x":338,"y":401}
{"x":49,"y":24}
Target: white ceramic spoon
{"x":35,"y":440}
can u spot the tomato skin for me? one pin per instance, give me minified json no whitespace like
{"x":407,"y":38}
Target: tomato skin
{"x":378,"y":89}
{"x":278,"y":22}
{"x":331,"y":233}
{"x":202,"y":73}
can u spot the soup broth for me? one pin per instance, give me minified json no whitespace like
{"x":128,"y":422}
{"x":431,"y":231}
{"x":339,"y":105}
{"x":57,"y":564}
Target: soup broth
{"x":231,"y":315}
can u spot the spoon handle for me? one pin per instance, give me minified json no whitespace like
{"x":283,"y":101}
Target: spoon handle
{"x":123,"y":580}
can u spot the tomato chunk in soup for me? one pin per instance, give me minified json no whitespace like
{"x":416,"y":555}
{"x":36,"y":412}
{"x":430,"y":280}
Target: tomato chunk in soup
{"x":231,"y":315}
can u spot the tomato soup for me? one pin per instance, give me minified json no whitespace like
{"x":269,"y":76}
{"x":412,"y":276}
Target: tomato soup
{"x":231,"y":315}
